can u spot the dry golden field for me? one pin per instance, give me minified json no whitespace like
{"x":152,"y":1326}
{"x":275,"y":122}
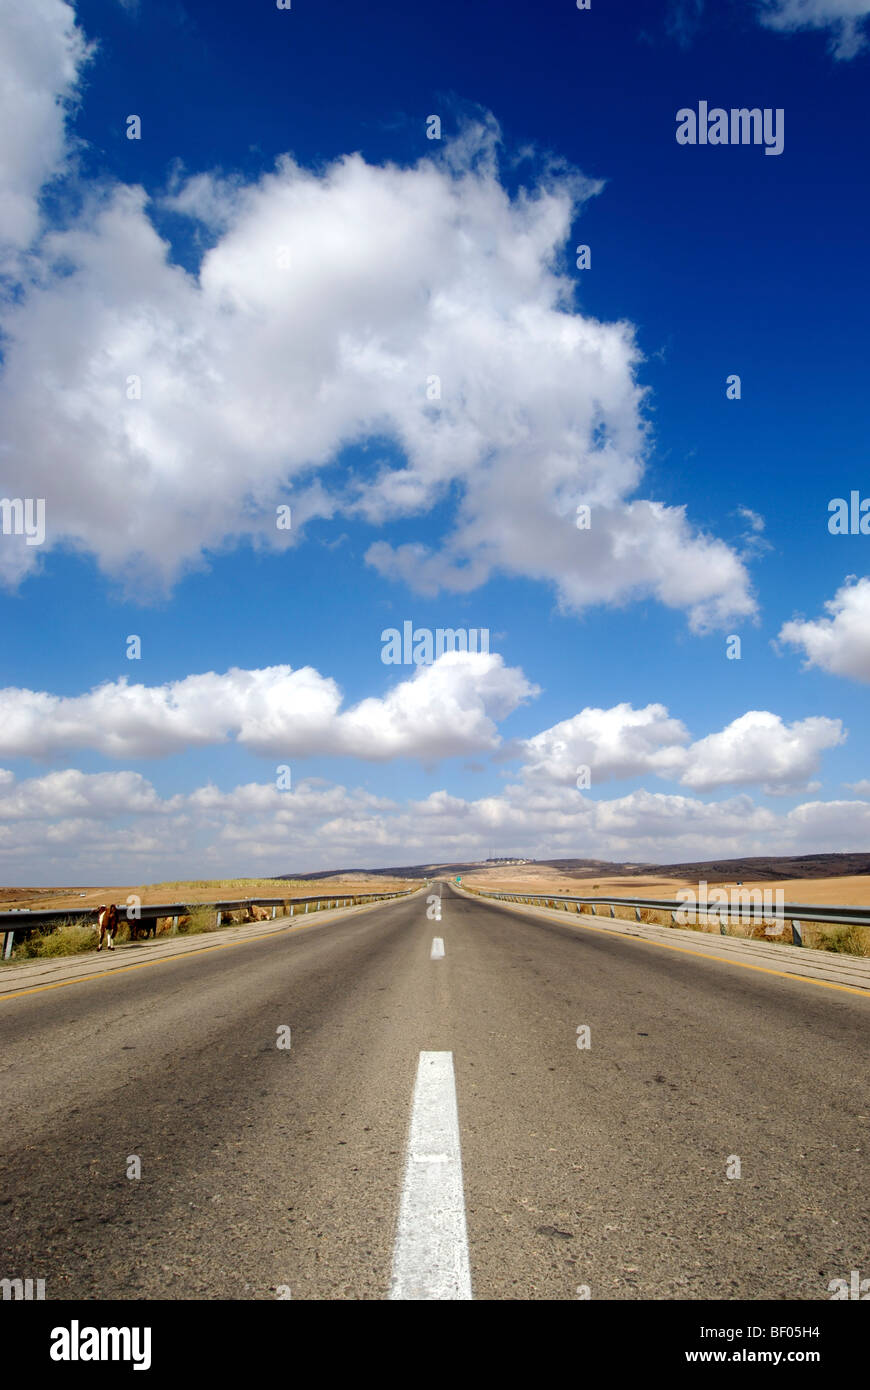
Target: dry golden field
{"x":850,"y":890}
{"x":196,"y":891}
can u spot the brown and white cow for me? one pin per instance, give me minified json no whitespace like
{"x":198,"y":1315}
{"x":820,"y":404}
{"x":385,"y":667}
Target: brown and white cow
{"x":107,"y":925}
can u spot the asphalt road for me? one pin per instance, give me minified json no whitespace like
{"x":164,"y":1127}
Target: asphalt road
{"x":268,"y":1170}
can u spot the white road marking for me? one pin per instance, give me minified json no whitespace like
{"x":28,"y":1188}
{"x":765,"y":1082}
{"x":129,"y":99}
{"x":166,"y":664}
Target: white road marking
{"x":430,"y":1256}
{"x":437,"y":952}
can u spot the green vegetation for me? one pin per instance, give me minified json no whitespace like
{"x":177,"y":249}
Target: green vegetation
{"x":850,"y":941}
{"x":68,"y":939}
{"x":199,"y":919}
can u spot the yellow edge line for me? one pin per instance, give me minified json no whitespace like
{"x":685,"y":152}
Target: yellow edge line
{"x":687,"y":951}
{"x":180,"y":955}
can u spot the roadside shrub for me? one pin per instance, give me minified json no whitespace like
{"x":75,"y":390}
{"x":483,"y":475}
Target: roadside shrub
{"x":68,"y":939}
{"x":653,"y":918}
{"x":199,"y":919}
{"x":845,"y":940}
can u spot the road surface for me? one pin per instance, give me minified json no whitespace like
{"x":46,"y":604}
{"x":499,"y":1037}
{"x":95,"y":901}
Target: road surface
{"x":538,"y":1169}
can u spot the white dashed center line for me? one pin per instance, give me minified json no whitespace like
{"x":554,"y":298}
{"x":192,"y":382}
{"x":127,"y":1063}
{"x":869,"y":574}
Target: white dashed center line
{"x":430,"y":1258}
{"x":437,"y":952}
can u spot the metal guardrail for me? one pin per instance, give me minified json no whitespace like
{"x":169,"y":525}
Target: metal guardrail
{"x":24,"y":922}
{"x":706,"y":912}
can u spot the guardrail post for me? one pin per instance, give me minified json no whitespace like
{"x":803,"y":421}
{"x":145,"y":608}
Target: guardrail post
{"x":7,"y":945}
{"x":173,"y":928}
{"x":637,"y":914}
{"x":218,"y":917}
{"x":796,"y":932}
{"x":274,"y":911}
{"x":612,"y":910}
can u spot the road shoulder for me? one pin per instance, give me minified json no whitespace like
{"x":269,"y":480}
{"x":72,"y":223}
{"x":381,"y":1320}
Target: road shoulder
{"x":850,"y":973}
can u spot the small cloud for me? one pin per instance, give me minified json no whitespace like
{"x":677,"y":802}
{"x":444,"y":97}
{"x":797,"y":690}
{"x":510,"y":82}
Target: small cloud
{"x":683,"y":19}
{"x":840,"y":642}
{"x":843,"y":19}
{"x":756,"y":522}
{"x":754,"y":543}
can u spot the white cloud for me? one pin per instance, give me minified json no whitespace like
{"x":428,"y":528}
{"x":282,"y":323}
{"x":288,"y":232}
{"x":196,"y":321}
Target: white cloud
{"x":41,"y":57}
{"x":758,"y":748}
{"x":74,"y":794}
{"x":754,"y":542}
{"x":753,"y":519}
{"x":114,"y":828}
{"x":255,"y":374}
{"x":844,"y":19}
{"x":830,"y":825}
{"x":841,"y":643}
{"x":446,"y":708}
{"x":449,"y":709}
{"x":616,"y":742}
{"x":518,"y":518}
{"x":860,"y":788}
{"x":443,"y":710}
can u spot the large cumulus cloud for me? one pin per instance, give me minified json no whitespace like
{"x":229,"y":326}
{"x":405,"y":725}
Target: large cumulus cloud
{"x":163,"y":413}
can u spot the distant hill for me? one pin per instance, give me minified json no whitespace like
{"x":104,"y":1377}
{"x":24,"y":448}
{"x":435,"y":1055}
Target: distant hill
{"x":754,"y":868}
{"x":405,"y":871}
{"x":766,"y":866}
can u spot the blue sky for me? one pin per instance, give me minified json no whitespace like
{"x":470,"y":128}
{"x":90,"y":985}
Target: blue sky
{"x":283,"y":263}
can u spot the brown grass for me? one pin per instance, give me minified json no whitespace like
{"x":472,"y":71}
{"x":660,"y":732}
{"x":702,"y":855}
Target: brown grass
{"x":198,"y":891}
{"x":69,"y":939}
{"x":72,"y":938}
{"x":821,"y":936}
{"x":848,"y":890}
{"x":201,"y":919}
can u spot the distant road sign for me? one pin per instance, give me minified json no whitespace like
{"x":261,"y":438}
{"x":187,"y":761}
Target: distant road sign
{"x":458,"y":878}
